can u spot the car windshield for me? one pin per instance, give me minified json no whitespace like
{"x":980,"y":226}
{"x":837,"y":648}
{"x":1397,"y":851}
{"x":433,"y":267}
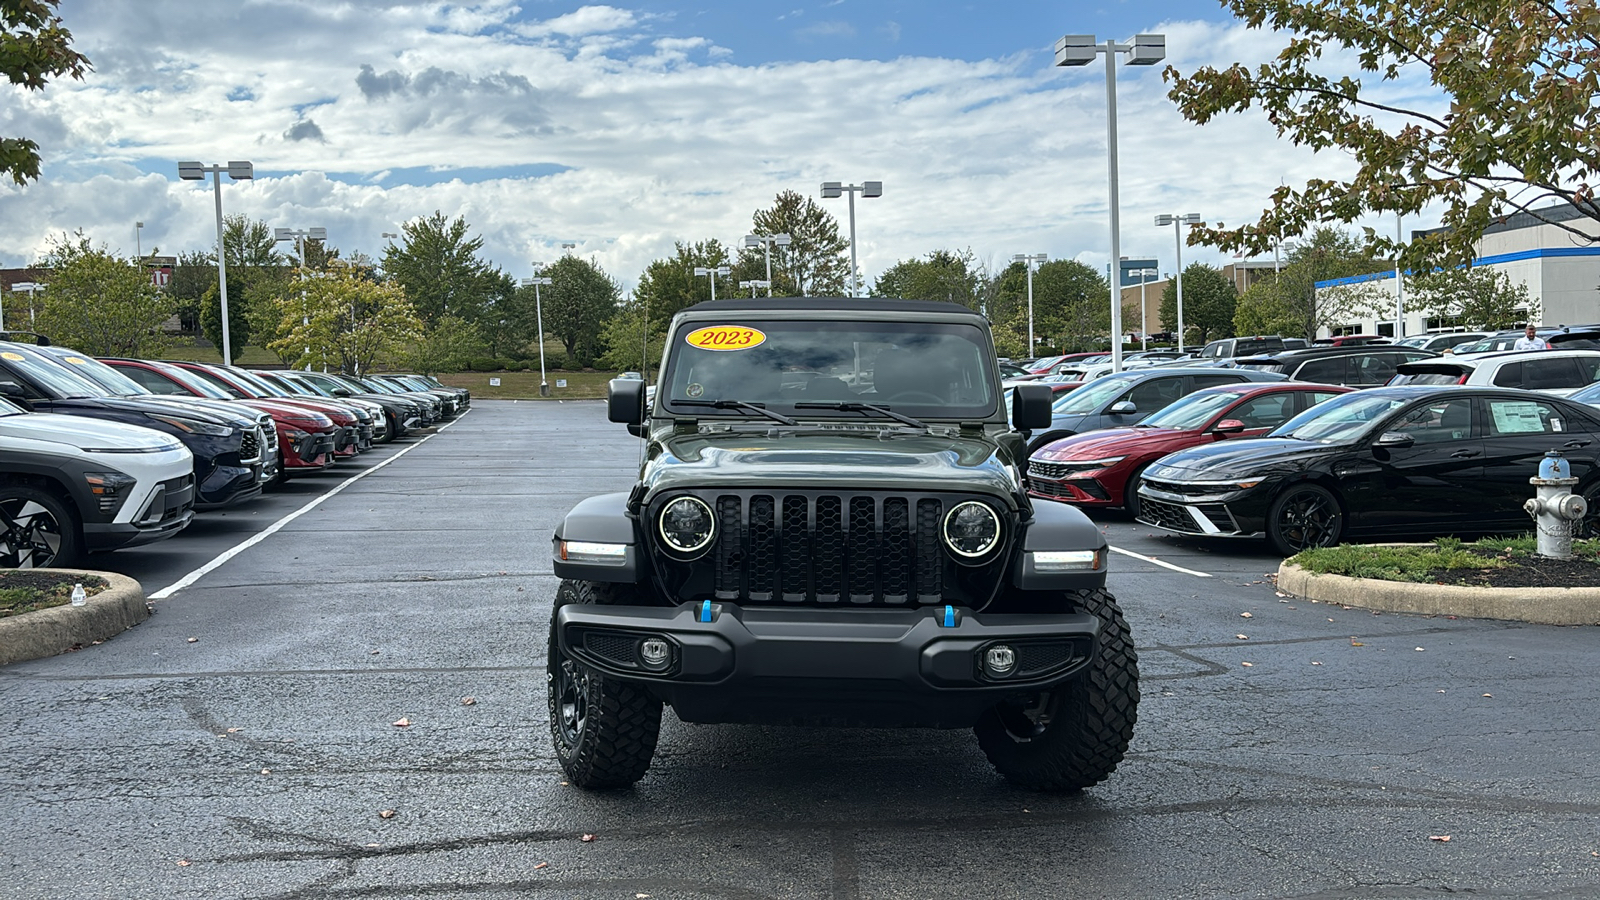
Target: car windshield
{"x":1193,"y":411}
{"x":1413,"y":341}
{"x":50,"y":376}
{"x":934,"y":370}
{"x":1091,"y":396}
{"x":1589,"y":395}
{"x":189,"y":380}
{"x":1342,"y":420}
{"x":100,"y":373}
{"x":305,"y":384}
{"x":7,"y":408}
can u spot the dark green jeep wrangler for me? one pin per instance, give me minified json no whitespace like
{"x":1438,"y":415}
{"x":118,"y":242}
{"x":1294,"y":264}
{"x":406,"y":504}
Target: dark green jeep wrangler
{"x":830,"y":527}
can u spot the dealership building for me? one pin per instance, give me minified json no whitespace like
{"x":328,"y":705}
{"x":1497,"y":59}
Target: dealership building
{"x":1561,"y":271}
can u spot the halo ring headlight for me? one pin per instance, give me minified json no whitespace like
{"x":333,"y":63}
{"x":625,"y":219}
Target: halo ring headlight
{"x":971,"y":529}
{"x":686,"y":525}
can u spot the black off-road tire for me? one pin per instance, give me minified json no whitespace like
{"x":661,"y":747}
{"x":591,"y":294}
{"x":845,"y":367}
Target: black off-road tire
{"x":608,"y":736}
{"x":1090,"y":718}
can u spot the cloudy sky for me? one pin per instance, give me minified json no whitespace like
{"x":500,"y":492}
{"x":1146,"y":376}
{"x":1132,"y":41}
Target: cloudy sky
{"x":624,"y":128}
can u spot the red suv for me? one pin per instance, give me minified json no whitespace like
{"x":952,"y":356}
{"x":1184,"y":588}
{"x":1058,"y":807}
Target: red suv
{"x":1102,"y":468}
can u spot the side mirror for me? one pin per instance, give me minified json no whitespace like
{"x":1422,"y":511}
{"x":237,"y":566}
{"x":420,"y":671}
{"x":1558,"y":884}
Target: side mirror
{"x":342,"y":392}
{"x":1122,"y":408}
{"x":12,"y":391}
{"x":625,"y":401}
{"x":1394,"y":440}
{"x":1229,"y":426}
{"x":1030,"y":407}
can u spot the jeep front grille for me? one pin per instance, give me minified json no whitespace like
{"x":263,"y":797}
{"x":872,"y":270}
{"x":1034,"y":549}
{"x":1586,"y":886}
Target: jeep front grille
{"x":828,"y":549}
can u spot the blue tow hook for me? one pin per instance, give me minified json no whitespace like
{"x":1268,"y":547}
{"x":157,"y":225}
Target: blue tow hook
{"x":949,"y":618}
{"x":705,"y":611}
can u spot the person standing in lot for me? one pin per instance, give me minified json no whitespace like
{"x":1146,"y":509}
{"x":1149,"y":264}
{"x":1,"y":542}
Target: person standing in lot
{"x":1530,"y":341}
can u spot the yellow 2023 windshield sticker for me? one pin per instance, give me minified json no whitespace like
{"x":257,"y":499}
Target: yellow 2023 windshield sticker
{"x":726,"y":337}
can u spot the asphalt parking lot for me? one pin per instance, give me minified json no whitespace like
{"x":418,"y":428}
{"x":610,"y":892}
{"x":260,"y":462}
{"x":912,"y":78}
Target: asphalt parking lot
{"x":1284,"y":748}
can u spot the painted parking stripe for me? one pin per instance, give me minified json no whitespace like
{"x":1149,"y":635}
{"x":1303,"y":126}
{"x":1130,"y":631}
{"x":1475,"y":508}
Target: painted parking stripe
{"x":277,"y":526}
{"x":1154,"y":561}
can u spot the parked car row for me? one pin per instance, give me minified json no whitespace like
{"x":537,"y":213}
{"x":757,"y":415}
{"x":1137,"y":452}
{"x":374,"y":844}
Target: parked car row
{"x":1446,"y":446}
{"x":97,"y":454}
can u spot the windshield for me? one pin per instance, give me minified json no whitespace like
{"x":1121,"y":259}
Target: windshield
{"x":8,"y":409}
{"x":217,"y":382}
{"x":1342,"y":420}
{"x":49,"y":376}
{"x":933,"y":370}
{"x":306,"y":384}
{"x":189,"y":380}
{"x":100,"y":373}
{"x":1589,"y":395}
{"x":1413,"y":341}
{"x":1091,"y":396}
{"x":259,"y":385}
{"x":1193,"y":411}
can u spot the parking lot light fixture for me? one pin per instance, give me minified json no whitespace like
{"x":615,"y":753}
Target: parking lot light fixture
{"x":1031,"y":259}
{"x":1177,"y":223}
{"x":713,"y":273}
{"x":831,"y":190}
{"x":1144,"y":323}
{"x":1143,"y":50}
{"x":756,"y":283}
{"x":26,"y":287}
{"x":299,"y":235}
{"x":238,"y":171}
{"x":752,"y":241}
{"x":538,"y":315}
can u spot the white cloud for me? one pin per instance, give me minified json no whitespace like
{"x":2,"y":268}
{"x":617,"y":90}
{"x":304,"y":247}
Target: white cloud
{"x":649,"y":140}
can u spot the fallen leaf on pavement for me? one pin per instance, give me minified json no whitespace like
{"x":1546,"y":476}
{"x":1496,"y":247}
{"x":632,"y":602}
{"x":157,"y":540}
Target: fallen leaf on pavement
{"x":185,"y":863}
{"x":1316,"y":662}
{"x":235,"y":730}
{"x":1439,"y":691}
{"x":1248,"y":665}
{"x":469,"y":701}
{"x":1245,"y":615}
{"x":1488,"y":695}
{"x":1420,"y":650}
{"x":587,"y":839}
{"x":1242,"y":637}
{"x":403,"y":723}
{"x":386,"y":814}
{"x":1353,"y":641}
{"x":1441,"y":838}
{"x":266,"y":771}
{"x":193,"y":640}
{"x":543,"y":865}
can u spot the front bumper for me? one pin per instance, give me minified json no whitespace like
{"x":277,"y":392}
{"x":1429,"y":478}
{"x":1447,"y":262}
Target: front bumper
{"x":229,"y":485}
{"x":872,"y":667}
{"x":1236,"y":514}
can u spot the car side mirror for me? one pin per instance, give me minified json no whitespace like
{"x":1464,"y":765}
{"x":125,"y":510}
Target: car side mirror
{"x":12,"y":391}
{"x":1030,"y":406}
{"x":1122,"y":408}
{"x":1229,"y":426}
{"x":625,"y":401}
{"x":1394,"y":440}
{"x":342,"y":392}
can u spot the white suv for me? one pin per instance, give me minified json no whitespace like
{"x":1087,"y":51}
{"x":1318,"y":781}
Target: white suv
{"x":1559,"y":372}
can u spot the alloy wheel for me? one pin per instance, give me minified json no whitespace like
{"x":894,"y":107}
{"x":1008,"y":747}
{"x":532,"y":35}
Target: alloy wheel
{"x":572,"y":703}
{"x":1309,"y":519}
{"x":30,"y":535}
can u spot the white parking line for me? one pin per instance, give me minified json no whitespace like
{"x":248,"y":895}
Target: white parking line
{"x":1164,"y":565}
{"x":275,"y":527}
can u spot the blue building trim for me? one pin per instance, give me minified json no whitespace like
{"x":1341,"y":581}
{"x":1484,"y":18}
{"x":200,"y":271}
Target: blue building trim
{"x":1519,"y":256}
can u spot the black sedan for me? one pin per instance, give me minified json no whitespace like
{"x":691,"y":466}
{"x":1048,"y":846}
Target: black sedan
{"x":1382,"y":463}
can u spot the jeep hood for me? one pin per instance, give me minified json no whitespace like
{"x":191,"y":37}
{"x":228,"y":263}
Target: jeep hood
{"x":803,"y":459}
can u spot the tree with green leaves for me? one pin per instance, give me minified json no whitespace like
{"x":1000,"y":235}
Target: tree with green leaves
{"x":627,"y":348}
{"x":668,"y":285}
{"x":34,"y":48}
{"x":1481,"y":298}
{"x":1515,"y":127}
{"x":255,"y":269}
{"x":817,"y":261}
{"x":448,"y":345}
{"x":1289,"y":304}
{"x":101,"y":304}
{"x":343,"y":319}
{"x":194,"y":275}
{"x":1071,"y":306}
{"x":1209,"y":301}
{"x":437,"y":264}
{"x":943,"y":275}
{"x":580,"y":299}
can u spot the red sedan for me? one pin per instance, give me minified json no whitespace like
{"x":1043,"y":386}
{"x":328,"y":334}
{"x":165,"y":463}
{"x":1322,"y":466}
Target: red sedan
{"x":1102,"y":468}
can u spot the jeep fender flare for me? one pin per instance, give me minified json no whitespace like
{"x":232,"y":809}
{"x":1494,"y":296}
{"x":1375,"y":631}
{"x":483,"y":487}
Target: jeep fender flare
{"x":602,"y":519}
{"x":1057,"y":526}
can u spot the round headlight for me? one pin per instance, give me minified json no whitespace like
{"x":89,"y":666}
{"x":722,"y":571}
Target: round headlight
{"x":971,"y":529}
{"x":687,"y":525}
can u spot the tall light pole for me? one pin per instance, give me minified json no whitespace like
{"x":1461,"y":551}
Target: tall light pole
{"x":1143,"y":50}
{"x":299,"y":237}
{"x":1177,"y":223}
{"x":755,"y":283}
{"x":538,"y":316}
{"x":719,"y":270}
{"x":751,"y":241}
{"x":27,"y":287}
{"x":1030,"y":259}
{"x":138,"y":249}
{"x":237,"y":171}
{"x":831,"y":190}
{"x":1399,"y":282}
{"x":1144,"y":323}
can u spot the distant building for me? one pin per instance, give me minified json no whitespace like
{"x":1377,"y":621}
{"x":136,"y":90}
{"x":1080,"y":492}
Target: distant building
{"x":1243,"y":274}
{"x":1560,"y":270}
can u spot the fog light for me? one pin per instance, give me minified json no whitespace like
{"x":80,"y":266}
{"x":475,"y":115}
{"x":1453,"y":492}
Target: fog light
{"x":654,"y":652}
{"x":999,"y":660}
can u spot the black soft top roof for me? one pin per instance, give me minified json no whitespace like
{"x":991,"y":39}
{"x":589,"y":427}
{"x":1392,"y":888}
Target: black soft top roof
{"x":808,"y":304}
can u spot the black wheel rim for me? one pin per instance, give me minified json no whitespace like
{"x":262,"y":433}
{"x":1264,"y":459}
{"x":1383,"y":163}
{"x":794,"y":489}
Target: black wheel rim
{"x":1308,"y":519}
{"x":571,"y":707}
{"x":30,"y":535}
{"x":1025,"y":721}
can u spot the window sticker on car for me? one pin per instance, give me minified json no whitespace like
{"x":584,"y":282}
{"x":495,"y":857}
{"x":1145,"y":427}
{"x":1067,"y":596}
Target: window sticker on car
{"x":1516,"y":418}
{"x":14,"y":357}
{"x":75,"y":360}
{"x":725,"y":337}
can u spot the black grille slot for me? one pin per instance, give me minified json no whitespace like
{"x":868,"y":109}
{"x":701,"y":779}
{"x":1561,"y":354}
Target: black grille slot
{"x":895,"y":559}
{"x":930,"y":575}
{"x":616,"y":648}
{"x":763,"y":549}
{"x":1166,"y":515}
{"x":730,"y":549}
{"x":796,"y":549}
{"x":863,"y":550}
{"x":828,"y":543}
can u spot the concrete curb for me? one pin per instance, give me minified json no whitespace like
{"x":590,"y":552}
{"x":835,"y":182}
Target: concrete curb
{"x":47,"y":632}
{"x":1540,"y":606}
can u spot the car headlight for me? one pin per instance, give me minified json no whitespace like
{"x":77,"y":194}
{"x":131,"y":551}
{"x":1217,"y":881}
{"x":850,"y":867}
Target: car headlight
{"x":1091,"y":464}
{"x":109,"y":489}
{"x":971,"y":529}
{"x":687,"y":524}
{"x":192,"y":426}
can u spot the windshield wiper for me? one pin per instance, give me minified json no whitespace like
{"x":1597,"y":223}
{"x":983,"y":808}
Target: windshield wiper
{"x":858,"y":406}
{"x":738,"y":404}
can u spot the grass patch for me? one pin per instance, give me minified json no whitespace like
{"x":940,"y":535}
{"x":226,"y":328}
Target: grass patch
{"x":202,"y":351}
{"x":1416,"y":563}
{"x":525,"y":385}
{"x":22,"y":591}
